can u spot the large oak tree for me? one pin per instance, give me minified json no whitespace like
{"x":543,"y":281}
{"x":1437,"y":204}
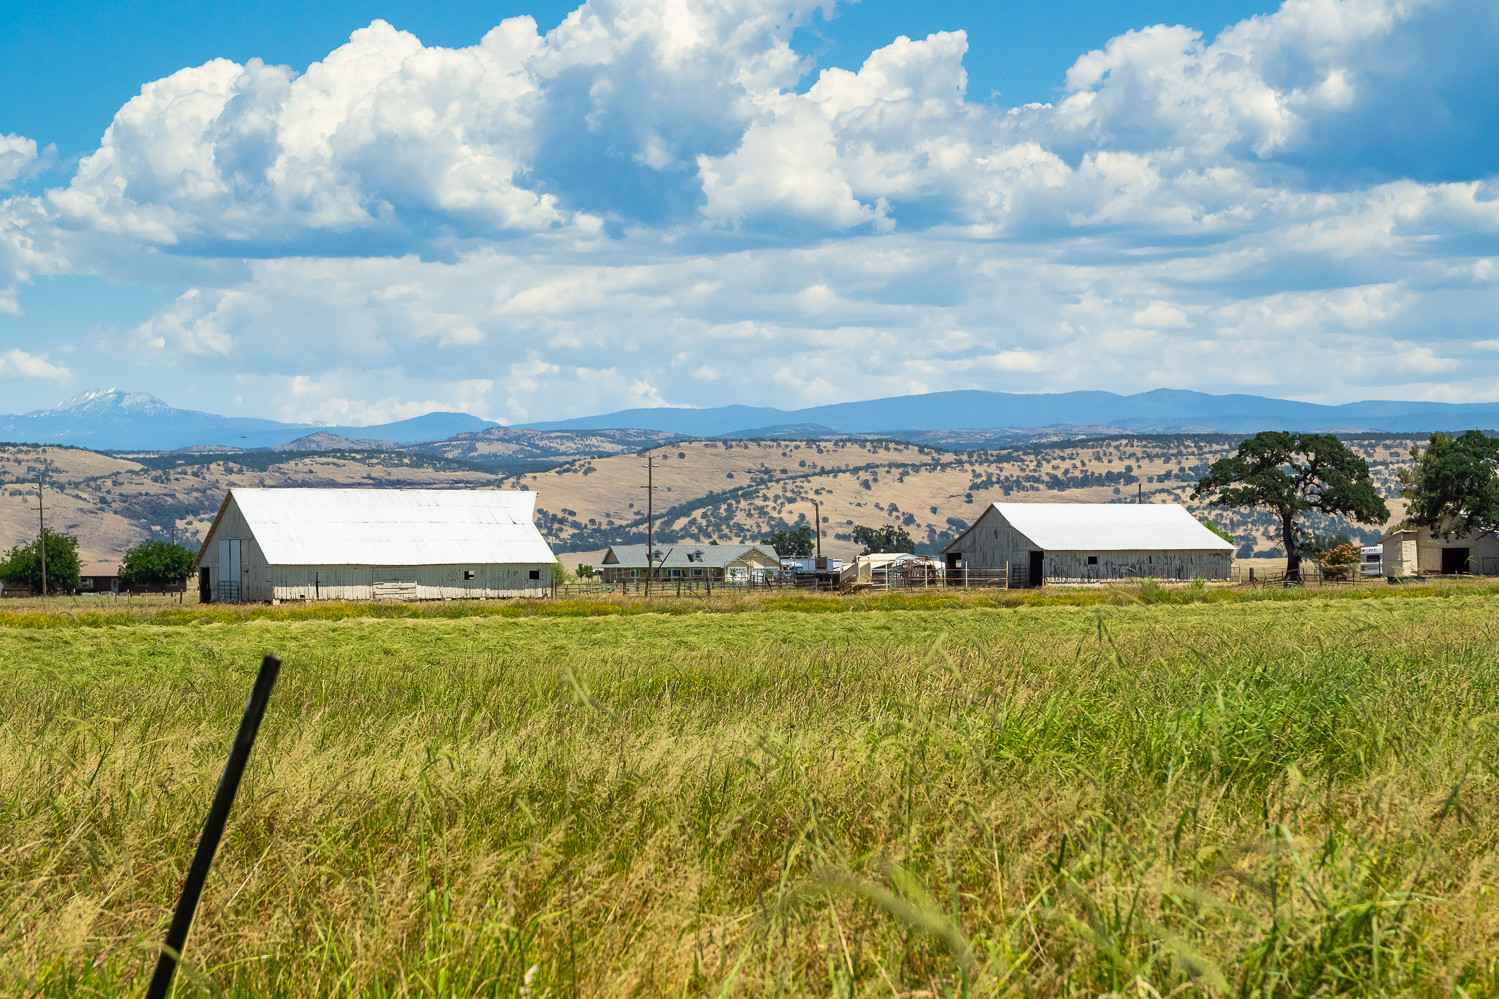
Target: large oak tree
{"x":1291,"y":473}
{"x":1452,"y":487}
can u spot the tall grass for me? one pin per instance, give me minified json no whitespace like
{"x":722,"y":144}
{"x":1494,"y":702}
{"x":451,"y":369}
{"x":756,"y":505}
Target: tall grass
{"x":1252,"y":798}
{"x":101,"y":612}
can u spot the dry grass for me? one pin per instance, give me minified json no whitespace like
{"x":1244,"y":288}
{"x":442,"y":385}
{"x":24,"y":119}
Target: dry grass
{"x":1260,"y":797}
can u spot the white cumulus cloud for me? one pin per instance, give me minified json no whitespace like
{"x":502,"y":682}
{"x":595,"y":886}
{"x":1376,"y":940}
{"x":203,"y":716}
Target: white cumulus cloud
{"x":661,"y":202}
{"x":15,"y":363}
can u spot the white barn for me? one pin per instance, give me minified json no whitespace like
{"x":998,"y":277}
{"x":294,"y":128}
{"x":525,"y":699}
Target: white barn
{"x":1026,"y":544}
{"x":268,"y":545}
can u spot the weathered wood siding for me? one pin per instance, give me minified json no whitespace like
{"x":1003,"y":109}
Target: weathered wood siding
{"x":1074,"y":567}
{"x":424,"y":582}
{"x":1483,"y":552}
{"x":1400,"y":555}
{"x":255,"y":572}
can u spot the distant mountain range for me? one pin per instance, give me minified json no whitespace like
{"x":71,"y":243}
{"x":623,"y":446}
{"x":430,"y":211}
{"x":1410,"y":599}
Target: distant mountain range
{"x":112,"y":420}
{"x":1160,"y":411}
{"x":135,"y":421}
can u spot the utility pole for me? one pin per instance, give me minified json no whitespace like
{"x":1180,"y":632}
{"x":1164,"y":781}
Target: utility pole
{"x":650,"y":522}
{"x":41,"y":533}
{"x":819,"y":565}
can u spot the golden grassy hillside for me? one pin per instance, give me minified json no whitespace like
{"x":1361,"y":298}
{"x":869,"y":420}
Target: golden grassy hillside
{"x":742,"y":490}
{"x":110,"y":503}
{"x":706,"y":490}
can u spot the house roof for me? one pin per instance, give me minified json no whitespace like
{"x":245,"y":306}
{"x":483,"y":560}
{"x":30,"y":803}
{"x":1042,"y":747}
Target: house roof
{"x":390,"y":526}
{"x":684,"y":556}
{"x":1103,"y":527}
{"x":99,"y":569}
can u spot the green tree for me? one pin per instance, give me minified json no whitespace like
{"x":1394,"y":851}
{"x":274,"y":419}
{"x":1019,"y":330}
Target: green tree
{"x":883,"y":539}
{"x":1292,"y":473}
{"x":1314,"y":546}
{"x":1223,"y":533}
{"x":585,"y":571}
{"x":791,"y":542}
{"x":22,"y":565}
{"x":1452,"y":488}
{"x":155,"y":565}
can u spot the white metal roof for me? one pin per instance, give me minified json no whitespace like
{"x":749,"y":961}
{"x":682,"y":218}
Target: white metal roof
{"x":1103,"y":527}
{"x":393,"y":526}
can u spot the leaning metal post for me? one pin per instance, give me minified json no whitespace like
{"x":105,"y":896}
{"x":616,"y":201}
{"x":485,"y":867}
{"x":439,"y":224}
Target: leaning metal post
{"x":213,"y":829}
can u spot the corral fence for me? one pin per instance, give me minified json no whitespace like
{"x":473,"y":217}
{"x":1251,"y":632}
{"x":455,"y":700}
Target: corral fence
{"x":682,"y":587}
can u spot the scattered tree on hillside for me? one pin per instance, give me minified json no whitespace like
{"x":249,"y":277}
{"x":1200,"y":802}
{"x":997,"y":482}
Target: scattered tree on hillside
{"x":883,"y":539}
{"x":1452,"y":487}
{"x":156,"y":565}
{"x":1292,"y":473}
{"x":1314,"y":545}
{"x":22,"y":565}
{"x":791,"y":542}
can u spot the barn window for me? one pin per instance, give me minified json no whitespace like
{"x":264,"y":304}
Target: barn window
{"x":535,"y":574}
{"x":468,"y":574}
{"x":1092,"y":559}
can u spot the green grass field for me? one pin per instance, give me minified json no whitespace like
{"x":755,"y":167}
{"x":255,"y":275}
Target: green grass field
{"x":1141,"y":794}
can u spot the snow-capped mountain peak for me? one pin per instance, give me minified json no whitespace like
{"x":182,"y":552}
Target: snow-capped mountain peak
{"x":113,"y":400}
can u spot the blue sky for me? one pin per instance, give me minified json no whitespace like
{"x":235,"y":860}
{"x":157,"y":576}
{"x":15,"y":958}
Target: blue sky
{"x":355,"y":212}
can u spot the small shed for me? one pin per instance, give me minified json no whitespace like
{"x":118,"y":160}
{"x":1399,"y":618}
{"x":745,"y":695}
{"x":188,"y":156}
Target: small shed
{"x":1026,"y":544}
{"x":370,"y":544}
{"x":1417,"y":551}
{"x":719,"y":563}
{"x":99,"y":577}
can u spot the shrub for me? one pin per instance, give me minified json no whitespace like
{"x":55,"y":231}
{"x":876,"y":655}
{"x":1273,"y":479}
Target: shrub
{"x":156,"y":565}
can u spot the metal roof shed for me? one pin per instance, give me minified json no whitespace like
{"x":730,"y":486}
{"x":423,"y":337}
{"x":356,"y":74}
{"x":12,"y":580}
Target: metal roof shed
{"x":362,"y":544}
{"x":1029,"y":543}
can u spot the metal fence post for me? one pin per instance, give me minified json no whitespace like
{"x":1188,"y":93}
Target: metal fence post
{"x":213,"y":829}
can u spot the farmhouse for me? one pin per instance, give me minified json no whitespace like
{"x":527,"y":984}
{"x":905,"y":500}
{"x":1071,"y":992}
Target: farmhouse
{"x":371,"y":544}
{"x":719,"y":563}
{"x":1026,"y":544}
{"x":99,"y":577}
{"x":1419,"y":552}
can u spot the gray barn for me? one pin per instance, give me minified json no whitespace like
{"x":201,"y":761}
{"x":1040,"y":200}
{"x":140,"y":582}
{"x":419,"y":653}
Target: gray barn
{"x":268,"y":545}
{"x":1026,"y":544}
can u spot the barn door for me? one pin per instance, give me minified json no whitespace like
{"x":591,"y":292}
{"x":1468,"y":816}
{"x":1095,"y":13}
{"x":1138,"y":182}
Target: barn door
{"x":230,"y":570}
{"x":395,"y":582}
